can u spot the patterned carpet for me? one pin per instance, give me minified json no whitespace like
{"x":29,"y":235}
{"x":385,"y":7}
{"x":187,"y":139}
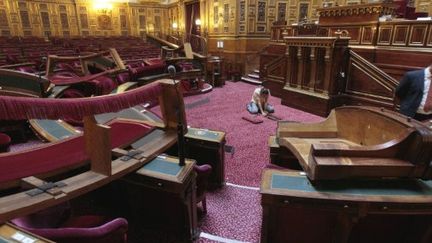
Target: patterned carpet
{"x":233,"y":212}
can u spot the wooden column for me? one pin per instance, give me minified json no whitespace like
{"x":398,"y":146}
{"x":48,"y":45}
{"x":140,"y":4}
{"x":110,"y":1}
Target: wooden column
{"x":327,"y":68}
{"x":313,"y":66}
{"x":288,"y":76}
{"x":300,"y":67}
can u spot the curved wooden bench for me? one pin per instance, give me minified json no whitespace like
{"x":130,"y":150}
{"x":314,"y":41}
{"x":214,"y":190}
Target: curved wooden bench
{"x":360,"y":142}
{"x":65,"y":153}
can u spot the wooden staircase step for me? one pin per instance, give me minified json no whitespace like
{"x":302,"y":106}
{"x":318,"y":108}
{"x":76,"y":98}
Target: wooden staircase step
{"x":251,"y":80}
{"x":253,"y":75}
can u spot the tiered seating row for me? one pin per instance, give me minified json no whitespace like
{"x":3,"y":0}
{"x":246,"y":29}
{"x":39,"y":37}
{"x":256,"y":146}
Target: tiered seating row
{"x":18,"y":50}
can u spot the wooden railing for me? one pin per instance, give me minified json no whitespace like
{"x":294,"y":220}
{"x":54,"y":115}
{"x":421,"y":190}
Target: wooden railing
{"x":389,"y":34}
{"x":198,"y":43}
{"x":366,"y":84}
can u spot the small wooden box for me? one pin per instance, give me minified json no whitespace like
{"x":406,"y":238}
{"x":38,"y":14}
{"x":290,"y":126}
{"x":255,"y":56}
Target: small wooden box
{"x":208,"y":147}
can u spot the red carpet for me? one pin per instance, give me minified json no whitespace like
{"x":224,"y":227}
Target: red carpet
{"x":224,"y":113}
{"x":235,"y":213}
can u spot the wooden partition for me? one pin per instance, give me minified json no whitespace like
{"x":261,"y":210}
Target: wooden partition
{"x":304,"y":77}
{"x":381,"y":53}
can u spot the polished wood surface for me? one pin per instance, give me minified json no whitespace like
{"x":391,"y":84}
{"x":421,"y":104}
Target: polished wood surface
{"x":12,"y":233}
{"x":359,"y":142}
{"x":208,"y":147}
{"x":304,"y":75}
{"x":381,"y":53}
{"x":294,"y":210}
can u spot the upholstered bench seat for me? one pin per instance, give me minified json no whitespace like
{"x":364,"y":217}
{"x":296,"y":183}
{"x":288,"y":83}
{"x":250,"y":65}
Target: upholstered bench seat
{"x":5,"y":141}
{"x":64,"y":154}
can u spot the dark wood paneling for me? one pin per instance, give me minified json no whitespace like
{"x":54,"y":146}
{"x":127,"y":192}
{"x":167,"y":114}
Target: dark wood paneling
{"x":400,"y":35}
{"x":384,"y":36}
{"x":368,"y":35}
{"x":414,"y":59}
{"x":362,"y":84}
{"x":418,"y":35}
{"x":306,"y":102}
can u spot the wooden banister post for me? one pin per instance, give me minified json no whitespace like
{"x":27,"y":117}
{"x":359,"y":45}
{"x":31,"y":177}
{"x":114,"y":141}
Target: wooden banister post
{"x":98,"y":145}
{"x":172,"y":105}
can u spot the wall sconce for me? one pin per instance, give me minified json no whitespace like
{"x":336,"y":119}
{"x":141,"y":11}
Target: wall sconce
{"x":150,"y":28}
{"x":103,"y":6}
{"x":198,"y":26}
{"x":175,"y":25}
{"x":220,"y":44}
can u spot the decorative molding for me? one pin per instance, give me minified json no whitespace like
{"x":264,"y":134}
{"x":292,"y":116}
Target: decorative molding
{"x":361,"y":9}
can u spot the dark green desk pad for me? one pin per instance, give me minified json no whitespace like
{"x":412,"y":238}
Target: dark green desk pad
{"x":55,"y":129}
{"x":129,"y":113}
{"x":162,"y":166}
{"x":397,"y":187}
{"x":210,"y":135}
{"x":149,"y":137}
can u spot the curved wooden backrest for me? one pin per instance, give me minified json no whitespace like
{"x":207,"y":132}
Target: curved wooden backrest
{"x":18,"y":83}
{"x":367,"y":127}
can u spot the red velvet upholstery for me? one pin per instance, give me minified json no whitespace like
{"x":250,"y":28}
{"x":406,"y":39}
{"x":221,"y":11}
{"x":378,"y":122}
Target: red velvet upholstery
{"x":57,"y":224}
{"x":203,"y":173}
{"x":138,"y":70}
{"x":102,"y":84}
{"x":26,"y":69}
{"x":65,"y":153}
{"x":5,"y":141}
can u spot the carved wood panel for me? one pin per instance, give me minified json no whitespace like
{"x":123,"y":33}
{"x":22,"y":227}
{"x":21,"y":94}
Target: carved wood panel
{"x":400,"y":35}
{"x":362,"y":83}
{"x":418,"y":35}
{"x":368,"y":35}
{"x":385,"y":34}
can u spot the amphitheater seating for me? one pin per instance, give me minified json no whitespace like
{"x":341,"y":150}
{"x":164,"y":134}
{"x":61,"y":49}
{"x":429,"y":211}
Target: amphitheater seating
{"x":64,"y":154}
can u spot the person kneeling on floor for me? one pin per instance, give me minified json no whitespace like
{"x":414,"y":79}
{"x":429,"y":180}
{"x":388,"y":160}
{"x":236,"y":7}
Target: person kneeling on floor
{"x":259,"y":102}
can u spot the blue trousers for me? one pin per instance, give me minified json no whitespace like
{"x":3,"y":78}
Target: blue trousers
{"x":254,"y":109}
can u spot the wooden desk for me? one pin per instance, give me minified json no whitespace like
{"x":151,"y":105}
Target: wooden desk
{"x":208,"y":147}
{"x":216,"y":72}
{"x":162,"y":194}
{"x":12,"y":233}
{"x":294,"y":210}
